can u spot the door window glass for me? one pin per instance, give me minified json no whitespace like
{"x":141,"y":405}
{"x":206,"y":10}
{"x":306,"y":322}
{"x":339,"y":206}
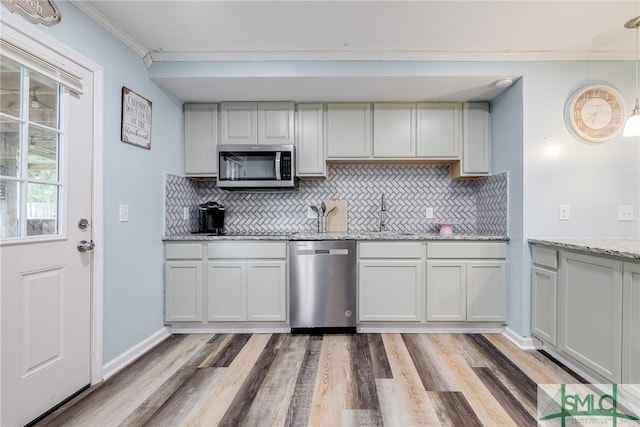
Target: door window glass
{"x":30,"y":151}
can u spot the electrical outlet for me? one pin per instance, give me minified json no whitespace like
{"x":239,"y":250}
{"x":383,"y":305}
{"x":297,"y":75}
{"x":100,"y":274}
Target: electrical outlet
{"x":564,"y":213}
{"x":124,"y":213}
{"x":625,"y":213}
{"x":310,"y":213}
{"x":428,"y":212}
{"x":185,"y":213}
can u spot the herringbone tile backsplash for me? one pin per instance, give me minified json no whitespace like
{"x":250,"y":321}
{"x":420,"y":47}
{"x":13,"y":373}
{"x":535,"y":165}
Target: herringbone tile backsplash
{"x":473,"y":206}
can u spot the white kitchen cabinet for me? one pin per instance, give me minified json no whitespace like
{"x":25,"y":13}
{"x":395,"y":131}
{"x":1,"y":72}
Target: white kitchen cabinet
{"x":486,"y":291}
{"x":226,"y":291}
{"x":183,"y":282}
{"x":239,"y":123}
{"x":544,"y":293}
{"x":439,"y":130}
{"x":390,"y":281}
{"x":257,"y":123}
{"x":200,"y":139}
{"x":310,"y":141}
{"x":247,"y":281}
{"x":394,"y":130}
{"x":267,"y":291}
{"x":466,"y":281}
{"x":476,"y":142}
{"x":631,"y":329}
{"x":446,"y":291}
{"x":348,"y":130}
{"x":590,"y":307}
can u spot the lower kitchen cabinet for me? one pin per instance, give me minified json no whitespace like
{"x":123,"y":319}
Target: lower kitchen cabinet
{"x":544,"y":293}
{"x":247,"y":281}
{"x":390,"y":291}
{"x":183,"y":282}
{"x":239,"y":291}
{"x":390,"y":281}
{"x":590,"y":307}
{"x":631,"y":328}
{"x":466,"y":281}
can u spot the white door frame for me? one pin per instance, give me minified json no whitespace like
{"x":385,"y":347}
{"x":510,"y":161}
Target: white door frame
{"x":33,"y":39}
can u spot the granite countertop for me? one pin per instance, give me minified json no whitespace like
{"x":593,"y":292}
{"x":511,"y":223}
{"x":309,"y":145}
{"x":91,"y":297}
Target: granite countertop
{"x":625,"y":248}
{"x":355,"y":235}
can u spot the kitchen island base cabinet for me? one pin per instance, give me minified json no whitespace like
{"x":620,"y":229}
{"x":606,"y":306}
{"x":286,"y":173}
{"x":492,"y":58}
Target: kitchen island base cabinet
{"x":631,"y":329}
{"x":544,"y":290}
{"x":590,"y":324}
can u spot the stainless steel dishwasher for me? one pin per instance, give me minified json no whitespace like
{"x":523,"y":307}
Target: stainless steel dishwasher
{"x":323,"y":280}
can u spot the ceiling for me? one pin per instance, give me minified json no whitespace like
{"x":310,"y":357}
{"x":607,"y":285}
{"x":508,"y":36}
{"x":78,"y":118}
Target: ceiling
{"x":210,"y":35}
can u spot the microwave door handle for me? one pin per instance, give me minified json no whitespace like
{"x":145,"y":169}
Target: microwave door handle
{"x":278,"y":176}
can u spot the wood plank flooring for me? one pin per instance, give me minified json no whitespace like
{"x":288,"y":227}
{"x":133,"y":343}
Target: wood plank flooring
{"x":321,"y":380}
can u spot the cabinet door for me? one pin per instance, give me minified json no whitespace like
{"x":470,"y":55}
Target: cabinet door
{"x":275,"y":123}
{"x":439,"y":129}
{"x":348,"y":130}
{"x":591,"y":312}
{"x":544,"y":292}
{"x":310,"y":141}
{"x":183,"y":291}
{"x":200,"y":139}
{"x":238,"y":123}
{"x":226,"y":291}
{"x":476,"y":139}
{"x":446,"y":291}
{"x":390,"y":291}
{"x":486,"y":291}
{"x":394,"y":130}
{"x":267,"y":291}
{"x":631,"y":329}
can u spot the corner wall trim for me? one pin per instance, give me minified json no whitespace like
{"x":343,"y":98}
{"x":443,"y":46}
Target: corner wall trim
{"x":135,"y":352}
{"x":525,"y":343}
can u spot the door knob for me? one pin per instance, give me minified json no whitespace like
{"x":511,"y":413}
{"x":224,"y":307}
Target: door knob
{"x":85,"y":246}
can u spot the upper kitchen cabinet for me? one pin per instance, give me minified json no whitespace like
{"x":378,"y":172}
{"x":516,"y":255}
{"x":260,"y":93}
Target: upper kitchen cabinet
{"x":394,"y":130}
{"x":476,"y":142}
{"x":200,"y":139}
{"x":257,"y":123}
{"x":348,"y":130}
{"x":310,"y":161}
{"x":439,"y":130}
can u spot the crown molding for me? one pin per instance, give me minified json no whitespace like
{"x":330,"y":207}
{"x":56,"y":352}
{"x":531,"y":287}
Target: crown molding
{"x":113,"y":29}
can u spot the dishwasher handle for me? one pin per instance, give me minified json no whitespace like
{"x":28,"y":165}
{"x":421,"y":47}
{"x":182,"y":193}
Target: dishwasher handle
{"x":322,"y":252}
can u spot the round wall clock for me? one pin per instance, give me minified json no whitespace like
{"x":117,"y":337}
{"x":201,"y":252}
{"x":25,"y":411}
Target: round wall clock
{"x":595,"y":113}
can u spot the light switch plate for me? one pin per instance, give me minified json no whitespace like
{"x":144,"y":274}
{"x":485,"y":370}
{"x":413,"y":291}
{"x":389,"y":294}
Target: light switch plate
{"x":625,"y":213}
{"x":564,"y":213}
{"x":185,"y":213}
{"x":124,"y":213}
{"x":310,"y":213}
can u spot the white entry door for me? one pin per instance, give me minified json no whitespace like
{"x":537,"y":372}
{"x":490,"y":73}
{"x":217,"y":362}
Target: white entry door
{"x":46,"y":158}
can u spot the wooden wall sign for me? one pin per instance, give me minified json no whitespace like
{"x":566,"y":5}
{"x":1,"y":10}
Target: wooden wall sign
{"x":36,"y":11}
{"x":136,"y":119}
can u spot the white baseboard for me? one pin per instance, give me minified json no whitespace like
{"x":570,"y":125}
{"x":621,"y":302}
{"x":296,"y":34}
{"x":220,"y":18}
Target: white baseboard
{"x":131,"y":355}
{"x":525,"y":343}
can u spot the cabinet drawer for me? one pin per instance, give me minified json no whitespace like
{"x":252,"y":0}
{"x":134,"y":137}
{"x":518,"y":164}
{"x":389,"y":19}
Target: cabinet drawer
{"x":248,"y":250}
{"x":456,"y":250}
{"x":546,"y":257}
{"x":183,"y":250}
{"x":390,"y":250}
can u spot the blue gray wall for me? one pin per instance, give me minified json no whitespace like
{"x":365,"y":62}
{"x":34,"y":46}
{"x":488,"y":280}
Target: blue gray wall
{"x":546,"y":166}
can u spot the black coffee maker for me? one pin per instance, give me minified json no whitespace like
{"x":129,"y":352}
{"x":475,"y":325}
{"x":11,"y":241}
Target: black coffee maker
{"x":211,"y":218}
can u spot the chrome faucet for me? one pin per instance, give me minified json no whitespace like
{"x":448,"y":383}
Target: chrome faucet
{"x":383,"y":209}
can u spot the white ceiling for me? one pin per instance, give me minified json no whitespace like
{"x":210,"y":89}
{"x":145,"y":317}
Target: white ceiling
{"x":308,"y":30}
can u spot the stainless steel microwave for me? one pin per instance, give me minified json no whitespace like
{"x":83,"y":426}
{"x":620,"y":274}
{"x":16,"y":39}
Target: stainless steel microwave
{"x":245,"y":166}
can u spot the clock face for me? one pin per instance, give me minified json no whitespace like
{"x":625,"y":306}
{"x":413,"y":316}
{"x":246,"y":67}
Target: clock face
{"x":595,"y":113}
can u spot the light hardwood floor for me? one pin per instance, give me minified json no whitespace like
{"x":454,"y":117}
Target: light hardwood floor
{"x":321,"y":380}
